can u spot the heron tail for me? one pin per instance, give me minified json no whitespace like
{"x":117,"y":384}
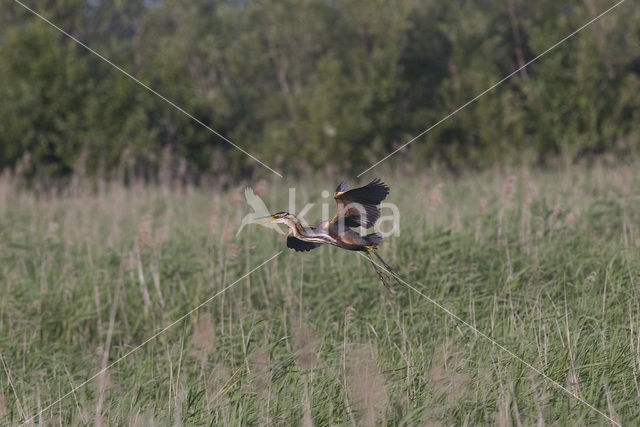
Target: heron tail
{"x":374,"y":239}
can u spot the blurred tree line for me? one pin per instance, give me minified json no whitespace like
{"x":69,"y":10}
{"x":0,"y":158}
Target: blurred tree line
{"x":305,"y":82}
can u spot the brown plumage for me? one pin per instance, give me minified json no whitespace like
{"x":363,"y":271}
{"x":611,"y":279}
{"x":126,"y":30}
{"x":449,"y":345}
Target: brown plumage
{"x":359,"y":207}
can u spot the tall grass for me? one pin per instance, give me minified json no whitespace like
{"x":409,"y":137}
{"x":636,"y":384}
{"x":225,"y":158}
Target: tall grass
{"x":546,"y":263}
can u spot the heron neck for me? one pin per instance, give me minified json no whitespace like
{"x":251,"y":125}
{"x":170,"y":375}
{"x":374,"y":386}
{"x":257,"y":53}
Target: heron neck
{"x":292,"y":222}
{"x":295,"y":226}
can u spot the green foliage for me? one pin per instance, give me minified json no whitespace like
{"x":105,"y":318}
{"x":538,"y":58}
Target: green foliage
{"x":304,"y":83}
{"x":546,"y":264}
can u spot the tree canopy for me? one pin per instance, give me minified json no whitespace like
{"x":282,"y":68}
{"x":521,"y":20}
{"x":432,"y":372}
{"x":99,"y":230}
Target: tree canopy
{"x":303,"y":83}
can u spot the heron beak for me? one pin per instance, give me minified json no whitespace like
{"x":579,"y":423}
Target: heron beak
{"x":269,"y":218}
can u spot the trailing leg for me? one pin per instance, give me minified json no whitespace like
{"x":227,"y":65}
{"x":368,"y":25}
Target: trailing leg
{"x":381,"y":273}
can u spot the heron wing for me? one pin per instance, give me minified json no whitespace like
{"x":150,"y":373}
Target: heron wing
{"x":300,"y":245}
{"x":359,"y":207}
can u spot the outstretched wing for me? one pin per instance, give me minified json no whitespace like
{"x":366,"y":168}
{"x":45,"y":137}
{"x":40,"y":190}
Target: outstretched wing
{"x":360,"y":207}
{"x":300,"y":245}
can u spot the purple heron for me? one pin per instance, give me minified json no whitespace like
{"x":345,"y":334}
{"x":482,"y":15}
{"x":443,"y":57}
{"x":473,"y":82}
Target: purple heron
{"x":358,"y":207}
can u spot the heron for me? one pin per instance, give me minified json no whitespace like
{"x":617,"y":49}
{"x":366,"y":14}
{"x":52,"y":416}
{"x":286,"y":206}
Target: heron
{"x":358,"y":207}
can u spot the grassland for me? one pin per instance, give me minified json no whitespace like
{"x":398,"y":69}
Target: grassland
{"x":545,"y":263}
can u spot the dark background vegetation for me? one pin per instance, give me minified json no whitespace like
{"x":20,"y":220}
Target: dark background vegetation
{"x":303,"y":83}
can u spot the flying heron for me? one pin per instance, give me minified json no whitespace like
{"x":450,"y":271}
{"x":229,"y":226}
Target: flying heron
{"x":359,"y":207}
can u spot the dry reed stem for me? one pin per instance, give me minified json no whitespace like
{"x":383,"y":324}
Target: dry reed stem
{"x":444,"y":374}
{"x":366,"y":384}
{"x":3,"y":406}
{"x":145,"y":236}
{"x":13,"y":388}
{"x":306,"y":345}
{"x":104,"y":379}
{"x":203,"y":338}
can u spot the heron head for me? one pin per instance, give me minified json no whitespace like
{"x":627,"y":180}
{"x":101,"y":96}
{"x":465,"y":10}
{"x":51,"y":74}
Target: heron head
{"x":280,"y":217}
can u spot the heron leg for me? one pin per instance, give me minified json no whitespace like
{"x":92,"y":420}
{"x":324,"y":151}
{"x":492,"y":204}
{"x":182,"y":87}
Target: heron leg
{"x":390,"y":270}
{"x":379,"y":272}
